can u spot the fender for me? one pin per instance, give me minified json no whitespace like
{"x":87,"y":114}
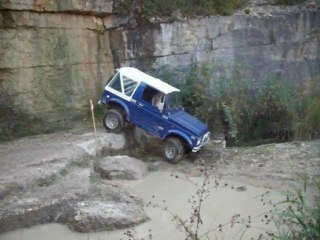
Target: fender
{"x":122,"y":104}
{"x":180,"y":134}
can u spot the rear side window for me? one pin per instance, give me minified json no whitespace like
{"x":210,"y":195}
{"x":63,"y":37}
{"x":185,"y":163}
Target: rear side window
{"x":116,"y":83}
{"x":129,"y":85}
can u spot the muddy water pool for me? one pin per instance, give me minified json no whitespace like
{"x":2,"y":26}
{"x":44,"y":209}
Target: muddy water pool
{"x":222,"y":203}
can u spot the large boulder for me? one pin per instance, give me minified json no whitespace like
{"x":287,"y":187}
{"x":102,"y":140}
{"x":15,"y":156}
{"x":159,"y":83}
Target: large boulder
{"x":92,"y":216}
{"x":121,"y":167}
{"x":44,"y":204}
{"x":42,"y":160}
{"x":74,"y":200}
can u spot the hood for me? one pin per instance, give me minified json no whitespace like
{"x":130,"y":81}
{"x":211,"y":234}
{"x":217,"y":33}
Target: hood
{"x":189,"y":122}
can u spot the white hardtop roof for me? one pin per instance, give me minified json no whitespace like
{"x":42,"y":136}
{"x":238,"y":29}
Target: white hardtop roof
{"x":139,"y":76}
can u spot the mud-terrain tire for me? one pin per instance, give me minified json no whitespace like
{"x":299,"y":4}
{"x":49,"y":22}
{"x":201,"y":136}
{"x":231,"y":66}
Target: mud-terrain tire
{"x":173,"y":150}
{"x":113,"y":120}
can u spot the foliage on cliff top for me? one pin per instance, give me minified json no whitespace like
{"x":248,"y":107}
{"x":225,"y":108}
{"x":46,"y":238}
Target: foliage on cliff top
{"x":146,"y":9}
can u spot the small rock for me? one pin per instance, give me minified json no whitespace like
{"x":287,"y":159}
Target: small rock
{"x":155,"y":166}
{"x":121,"y":167}
{"x":241,"y":189}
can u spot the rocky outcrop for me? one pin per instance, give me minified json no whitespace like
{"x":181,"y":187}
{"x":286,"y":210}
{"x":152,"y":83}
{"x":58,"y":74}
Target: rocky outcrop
{"x":252,"y":46}
{"x":50,"y":178}
{"x":93,"y":216}
{"x":276,"y":165}
{"x":74,"y":200}
{"x":121,"y":167}
{"x":47,"y":158}
{"x":44,"y":204}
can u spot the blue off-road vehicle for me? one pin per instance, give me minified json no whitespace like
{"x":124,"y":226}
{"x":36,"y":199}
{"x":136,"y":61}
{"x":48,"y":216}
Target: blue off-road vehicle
{"x":150,"y":104}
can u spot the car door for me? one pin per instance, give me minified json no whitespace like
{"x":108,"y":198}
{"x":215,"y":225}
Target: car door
{"x":147,"y":116}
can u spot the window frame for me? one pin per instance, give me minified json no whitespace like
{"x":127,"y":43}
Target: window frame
{"x":115,"y":77}
{"x":134,"y":89}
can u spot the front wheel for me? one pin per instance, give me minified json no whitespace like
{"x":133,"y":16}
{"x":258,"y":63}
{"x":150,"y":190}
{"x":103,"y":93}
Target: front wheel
{"x":173,"y":150}
{"x":113,"y":120}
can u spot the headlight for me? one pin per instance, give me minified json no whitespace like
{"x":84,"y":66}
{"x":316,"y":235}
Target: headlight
{"x":199,"y":141}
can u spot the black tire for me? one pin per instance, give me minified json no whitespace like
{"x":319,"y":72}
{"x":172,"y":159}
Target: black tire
{"x":173,"y":150}
{"x":113,"y":120}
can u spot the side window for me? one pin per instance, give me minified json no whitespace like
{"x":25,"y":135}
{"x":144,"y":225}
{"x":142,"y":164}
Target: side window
{"x":116,"y":83}
{"x":153,"y":96}
{"x":148,"y":94}
{"x":129,"y":85}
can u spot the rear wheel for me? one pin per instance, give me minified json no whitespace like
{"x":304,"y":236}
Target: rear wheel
{"x":173,"y":150}
{"x":113,"y":120}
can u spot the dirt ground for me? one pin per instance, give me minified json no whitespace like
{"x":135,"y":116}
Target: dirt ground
{"x":272,"y":166}
{"x":38,"y":160}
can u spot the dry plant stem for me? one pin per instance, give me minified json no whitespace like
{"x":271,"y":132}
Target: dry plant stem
{"x":201,"y":198}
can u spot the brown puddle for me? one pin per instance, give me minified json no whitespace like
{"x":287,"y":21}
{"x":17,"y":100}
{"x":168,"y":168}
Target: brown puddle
{"x":221,"y":204}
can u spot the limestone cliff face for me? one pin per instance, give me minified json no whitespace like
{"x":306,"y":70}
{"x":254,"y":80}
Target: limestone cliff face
{"x":286,"y":44}
{"x":52,"y":62}
{"x":55,"y":55}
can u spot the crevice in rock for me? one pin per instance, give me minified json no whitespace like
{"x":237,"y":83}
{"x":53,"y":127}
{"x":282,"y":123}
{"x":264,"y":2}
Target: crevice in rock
{"x":157,"y":56}
{"x":70,"y":12}
{"x":53,"y":65}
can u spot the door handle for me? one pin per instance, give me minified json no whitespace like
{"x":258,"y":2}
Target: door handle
{"x":140,"y":104}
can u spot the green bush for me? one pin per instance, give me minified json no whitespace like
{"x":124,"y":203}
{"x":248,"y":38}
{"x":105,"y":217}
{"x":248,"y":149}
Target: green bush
{"x":247,"y":111}
{"x":14,"y":124}
{"x":300,"y":218}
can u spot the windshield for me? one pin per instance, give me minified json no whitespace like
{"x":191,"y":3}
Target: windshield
{"x":174,"y":100}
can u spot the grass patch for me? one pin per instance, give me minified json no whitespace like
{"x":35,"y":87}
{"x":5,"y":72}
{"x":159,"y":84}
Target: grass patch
{"x":14,"y":125}
{"x":80,"y":163}
{"x":99,"y":111}
{"x":44,"y":182}
{"x":95,"y":177}
{"x":299,"y":219}
{"x":64,"y":172}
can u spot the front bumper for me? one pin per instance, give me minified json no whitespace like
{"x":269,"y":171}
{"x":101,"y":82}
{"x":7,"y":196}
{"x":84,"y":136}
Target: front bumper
{"x":204,"y":141}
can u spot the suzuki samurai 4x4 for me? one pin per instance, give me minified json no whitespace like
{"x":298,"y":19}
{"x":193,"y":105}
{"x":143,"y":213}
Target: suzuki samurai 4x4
{"x":150,"y":104}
